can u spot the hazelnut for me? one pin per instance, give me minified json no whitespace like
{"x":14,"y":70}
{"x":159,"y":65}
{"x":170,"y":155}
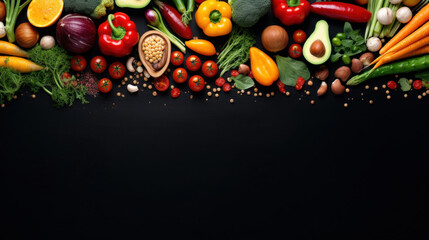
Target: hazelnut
{"x":243,"y":69}
{"x":317,"y":48}
{"x":322,"y":89}
{"x":366,"y":58}
{"x":322,"y":74}
{"x":337,"y":88}
{"x":343,"y":73}
{"x":357,"y":65}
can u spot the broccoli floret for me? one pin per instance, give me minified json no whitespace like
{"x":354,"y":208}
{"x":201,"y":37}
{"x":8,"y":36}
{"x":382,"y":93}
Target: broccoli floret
{"x":247,"y":13}
{"x":94,"y":8}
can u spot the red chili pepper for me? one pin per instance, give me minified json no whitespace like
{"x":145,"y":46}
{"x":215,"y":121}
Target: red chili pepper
{"x":174,"y":19}
{"x":341,"y":11}
{"x":291,"y":12}
{"x":118,"y":35}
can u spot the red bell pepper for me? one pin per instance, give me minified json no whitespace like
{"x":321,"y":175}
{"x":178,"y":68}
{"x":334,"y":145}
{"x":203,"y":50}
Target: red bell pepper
{"x":118,"y":35}
{"x":291,"y":12}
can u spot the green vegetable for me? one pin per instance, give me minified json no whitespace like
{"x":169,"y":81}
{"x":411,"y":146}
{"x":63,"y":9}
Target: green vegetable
{"x":243,"y":82}
{"x":405,"y":66}
{"x":373,"y":7}
{"x":57,"y":61}
{"x":247,"y":13}
{"x":10,"y":83}
{"x":346,"y":59}
{"x":424,"y":76}
{"x":94,"y":8}
{"x":13,"y":9}
{"x":405,"y":84}
{"x":236,"y":50}
{"x":349,"y":43}
{"x":187,"y":14}
{"x":290,"y":70}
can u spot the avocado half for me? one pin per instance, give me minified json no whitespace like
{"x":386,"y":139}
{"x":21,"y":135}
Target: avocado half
{"x":321,"y":32}
{"x":132,"y":3}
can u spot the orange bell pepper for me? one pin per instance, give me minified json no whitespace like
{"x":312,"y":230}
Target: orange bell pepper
{"x":201,"y":46}
{"x":214,"y":18}
{"x":264,"y":69}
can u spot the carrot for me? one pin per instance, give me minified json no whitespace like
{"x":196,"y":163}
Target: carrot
{"x":417,"y":35}
{"x":11,"y":49}
{"x":393,"y":56}
{"x":19,"y":64}
{"x":420,"y":18}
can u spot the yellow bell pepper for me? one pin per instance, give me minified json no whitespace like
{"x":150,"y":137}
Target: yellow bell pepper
{"x":214,"y":18}
{"x":201,"y":46}
{"x":264,"y":69}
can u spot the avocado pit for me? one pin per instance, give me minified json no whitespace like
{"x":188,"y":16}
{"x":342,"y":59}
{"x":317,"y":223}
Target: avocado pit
{"x":317,"y":48}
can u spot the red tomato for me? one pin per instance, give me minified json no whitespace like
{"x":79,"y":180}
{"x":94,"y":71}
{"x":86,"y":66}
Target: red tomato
{"x":175,"y":93}
{"x":226,"y":87}
{"x":117,"y":70}
{"x":193,"y":63}
{"x":105,"y":85}
{"x":298,"y":87}
{"x":250,"y":74}
{"x":65,"y":76}
{"x":300,"y":81}
{"x":295,"y":50}
{"x":177,"y":58}
{"x":417,"y":84}
{"x":280,"y":84}
{"x":162,"y":83}
{"x":299,"y":36}
{"x":220,"y":82}
{"x":391,"y":84}
{"x":210,"y":68}
{"x":282,"y":90}
{"x":98,"y":64}
{"x":234,"y":73}
{"x":196,"y":83}
{"x":78,"y":63}
{"x":180,"y":75}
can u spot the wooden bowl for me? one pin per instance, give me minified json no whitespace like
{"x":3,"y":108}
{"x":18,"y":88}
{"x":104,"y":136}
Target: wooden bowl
{"x":167,"y":53}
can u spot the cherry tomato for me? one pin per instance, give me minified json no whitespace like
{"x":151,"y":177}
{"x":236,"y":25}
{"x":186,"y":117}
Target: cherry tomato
{"x":280,"y":84}
{"x":299,"y":36}
{"x":180,"y":75}
{"x":250,"y":74}
{"x":196,"y":83}
{"x":300,"y":81}
{"x":391,"y":85}
{"x":177,"y":58}
{"x":298,"y":87}
{"x":117,"y":70}
{"x":78,"y":63}
{"x":226,"y":87}
{"x":105,"y":85}
{"x":175,"y":93}
{"x":193,"y":63}
{"x":220,"y":82}
{"x":210,"y":68}
{"x":162,"y":83}
{"x":295,"y":50}
{"x":65,"y":76}
{"x":282,"y":90}
{"x":98,"y":64}
{"x":234,"y":73}
{"x":417,"y":84}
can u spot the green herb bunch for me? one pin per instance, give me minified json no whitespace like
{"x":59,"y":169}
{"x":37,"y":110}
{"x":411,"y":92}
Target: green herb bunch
{"x":347,"y":44}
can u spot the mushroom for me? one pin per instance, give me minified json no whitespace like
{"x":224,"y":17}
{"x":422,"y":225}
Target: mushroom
{"x":373,"y":44}
{"x":404,"y":14}
{"x":130,"y":66}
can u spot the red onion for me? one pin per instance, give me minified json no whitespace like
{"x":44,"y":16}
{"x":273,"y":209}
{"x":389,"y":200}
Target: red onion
{"x":76,"y":33}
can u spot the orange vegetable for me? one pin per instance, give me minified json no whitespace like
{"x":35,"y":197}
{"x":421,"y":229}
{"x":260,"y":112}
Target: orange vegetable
{"x":263,"y":67}
{"x":201,"y":46}
{"x":44,"y":13}
{"x":407,"y":51}
{"x":11,"y":49}
{"x":418,"y":20}
{"x":19,"y":64}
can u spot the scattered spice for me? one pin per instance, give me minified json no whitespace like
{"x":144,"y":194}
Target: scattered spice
{"x":90,"y":81}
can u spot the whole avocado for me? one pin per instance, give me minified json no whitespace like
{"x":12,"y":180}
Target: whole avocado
{"x":247,"y":13}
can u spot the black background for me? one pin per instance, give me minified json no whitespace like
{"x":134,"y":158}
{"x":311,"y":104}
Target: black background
{"x":261,"y":168}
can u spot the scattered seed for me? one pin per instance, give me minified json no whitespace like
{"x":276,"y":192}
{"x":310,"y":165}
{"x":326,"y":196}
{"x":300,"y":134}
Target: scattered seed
{"x":410,"y":81}
{"x":272,"y":93}
{"x":33,"y":96}
{"x":217,"y":95}
{"x":260,"y":94}
{"x":248,"y":93}
{"x":218,"y":89}
{"x":214,"y":90}
{"x":367,"y":87}
{"x":375,"y":88}
{"x":118,"y":94}
{"x":208,"y":86}
{"x":144,"y":85}
{"x":371,"y":102}
{"x":346,"y":105}
{"x":287,"y":93}
{"x":389,"y":97}
{"x":255,"y":94}
{"x":255,"y":89}
{"x":209,"y":94}
{"x":231,"y":100}
{"x":154,"y":93}
{"x":347,"y":90}
{"x":312,"y":101}
{"x":387,"y":91}
{"x":150,"y":87}
{"x":384,"y":86}
{"x":307,"y":92}
{"x":310,"y":83}
{"x":419,"y":96}
{"x":191,"y":97}
{"x":405,"y":95}
{"x":424,"y":94}
{"x":146,"y":79}
{"x":2,"y":105}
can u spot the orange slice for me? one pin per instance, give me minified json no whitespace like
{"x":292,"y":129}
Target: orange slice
{"x":44,"y":13}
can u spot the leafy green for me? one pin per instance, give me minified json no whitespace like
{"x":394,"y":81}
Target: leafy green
{"x":10,"y":83}
{"x":291,"y":69}
{"x":236,"y":50}
{"x":352,"y":45}
{"x":424,"y":76}
{"x":405,"y":84}
{"x":243,"y":82}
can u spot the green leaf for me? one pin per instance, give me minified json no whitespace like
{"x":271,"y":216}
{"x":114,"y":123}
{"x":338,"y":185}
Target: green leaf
{"x":348,"y":43}
{"x":291,"y":69}
{"x":348,"y":30}
{"x":335,"y":57}
{"x":338,"y":49}
{"x":243,"y":82}
{"x":405,"y":84}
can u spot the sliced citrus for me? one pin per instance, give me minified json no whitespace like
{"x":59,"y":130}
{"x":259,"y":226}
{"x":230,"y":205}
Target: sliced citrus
{"x":44,"y":13}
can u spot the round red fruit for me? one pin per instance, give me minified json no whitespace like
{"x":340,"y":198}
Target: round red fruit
{"x":196,"y":83}
{"x":417,"y":84}
{"x":391,"y":85}
{"x":210,"y":68}
{"x":193,"y":63}
{"x":162,"y":83}
{"x":220,"y":82}
{"x":177,"y":58}
{"x":180,"y":75}
{"x":117,"y":70}
{"x":295,"y":50}
{"x":234,"y":73}
{"x":299,"y":36}
{"x":226,"y":87}
{"x":98,"y":64}
{"x":105,"y":85}
{"x":78,"y":63}
{"x":175,"y":93}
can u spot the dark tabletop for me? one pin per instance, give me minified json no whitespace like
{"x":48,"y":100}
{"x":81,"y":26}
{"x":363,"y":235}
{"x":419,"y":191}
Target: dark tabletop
{"x":144,"y":167}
